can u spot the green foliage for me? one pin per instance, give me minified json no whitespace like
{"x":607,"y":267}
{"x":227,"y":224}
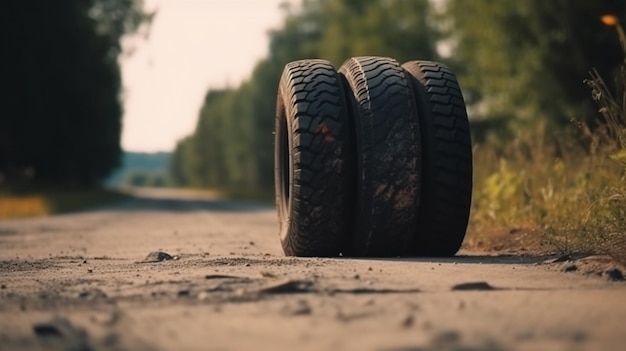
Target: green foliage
{"x":574,"y":193}
{"x":232,"y":146}
{"x":521,"y":64}
{"x":525,"y":61}
{"x":60,"y":119}
{"x":561,"y":191}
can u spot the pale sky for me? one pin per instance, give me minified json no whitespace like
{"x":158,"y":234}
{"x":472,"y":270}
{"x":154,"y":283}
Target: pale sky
{"x":193,"y":45}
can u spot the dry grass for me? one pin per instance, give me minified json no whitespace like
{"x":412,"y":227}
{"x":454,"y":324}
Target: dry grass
{"x":22,"y":206}
{"x":564,"y":198}
{"x":43,"y":202}
{"x":567,"y":195}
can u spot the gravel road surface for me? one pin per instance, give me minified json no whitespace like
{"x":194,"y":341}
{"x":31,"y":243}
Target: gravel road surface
{"x":170,"y":270}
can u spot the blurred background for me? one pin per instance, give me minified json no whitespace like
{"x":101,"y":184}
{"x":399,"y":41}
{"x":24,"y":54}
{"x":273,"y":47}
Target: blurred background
{"x":181,"y":93}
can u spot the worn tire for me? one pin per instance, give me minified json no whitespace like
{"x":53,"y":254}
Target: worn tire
{"x":446,"y":160}
{"x":314,"y":160}
{"x":388,"y":156}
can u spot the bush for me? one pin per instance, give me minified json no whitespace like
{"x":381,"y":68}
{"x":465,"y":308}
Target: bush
{"x":569,"y":193}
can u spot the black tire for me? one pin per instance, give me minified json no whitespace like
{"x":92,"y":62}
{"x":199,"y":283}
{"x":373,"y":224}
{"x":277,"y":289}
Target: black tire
{"x":446,"y":160}
{"x":388,"y":156}
{"x":314,"y":160}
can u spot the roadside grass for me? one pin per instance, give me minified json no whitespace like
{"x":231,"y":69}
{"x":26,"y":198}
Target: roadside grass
{"x":567,"y":195}
{"x":45,"y":201}
{"x":548,"y":198}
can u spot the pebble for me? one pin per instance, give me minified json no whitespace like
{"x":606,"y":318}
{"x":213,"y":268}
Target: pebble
{"x":61,"y":328}
{"x":203,"y":296}
{"x":563,"y":258}
{"x":92,"y":294}
{"x":184,"y":293}
{"x":473,"y":286}
{"x":301,"y":308}
{"x":408,"y":321}
{"x":288,"y":287}
{"x":570,"y":268}
{"x":158,"y":256}
{"x":614,"y":274}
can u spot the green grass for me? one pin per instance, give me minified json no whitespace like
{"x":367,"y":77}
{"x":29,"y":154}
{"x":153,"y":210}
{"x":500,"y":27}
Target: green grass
{"x":569,"y":192}
{"x":573,"y":200}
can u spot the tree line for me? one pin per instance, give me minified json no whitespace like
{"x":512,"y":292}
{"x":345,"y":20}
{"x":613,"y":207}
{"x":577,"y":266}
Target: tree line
{"x":521,"y":64}
{"x":61,"y":109}
{"x":232,"y":146}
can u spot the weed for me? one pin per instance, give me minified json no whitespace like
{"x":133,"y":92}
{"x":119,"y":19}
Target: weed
{"x":573,"y":194}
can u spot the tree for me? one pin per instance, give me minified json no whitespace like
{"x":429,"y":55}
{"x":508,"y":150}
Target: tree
{"x":525,"y":61}
{"x":232,"y":145}
{"x":60,"y":123}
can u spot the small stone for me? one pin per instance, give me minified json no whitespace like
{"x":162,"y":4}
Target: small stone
{"x":184,"y":293}
{"x":447,"y":338}
{"x":92,"y":294}
{"x":473,"y":286}
{"x":614,"y":274}
{"x":223,"y":276}
{"x":63,"y":329}
{"x":370,"y":269}
{"x":288,"y":287}
{"x":301,"y":308}
{"x":107,"y":319}
{"x":3,"y":286}
{"x":357,"y":277}
{"x":204,"y":295}
{"x":157,"y":256}
{"x":90,"y":271}
{"x":570,"y":268}
{"x":408,"y":321}
{"x":267,"y":274}
{"x":563,"y":258}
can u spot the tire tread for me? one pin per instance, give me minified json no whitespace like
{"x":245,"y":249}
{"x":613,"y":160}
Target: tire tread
{"x":447,"y":170}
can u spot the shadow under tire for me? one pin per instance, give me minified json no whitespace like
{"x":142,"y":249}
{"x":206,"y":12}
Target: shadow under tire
{"x":446,"y":160}
{"x":314,"y":157}
{"x":388,"y":156}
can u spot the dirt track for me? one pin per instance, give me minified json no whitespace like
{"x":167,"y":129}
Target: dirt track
{"x":80,"y":282}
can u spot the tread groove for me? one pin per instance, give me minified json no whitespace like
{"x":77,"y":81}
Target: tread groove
{"x":388,"y":156}
{"x":447,"y":156}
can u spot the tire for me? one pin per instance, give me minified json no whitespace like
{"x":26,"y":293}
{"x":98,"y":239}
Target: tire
{"x":388,"y":156}
{"x":314,"y":160}
{"x":446,"y":160}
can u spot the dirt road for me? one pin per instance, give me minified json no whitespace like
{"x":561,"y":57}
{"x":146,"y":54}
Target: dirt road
{"x":82,"y":282}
